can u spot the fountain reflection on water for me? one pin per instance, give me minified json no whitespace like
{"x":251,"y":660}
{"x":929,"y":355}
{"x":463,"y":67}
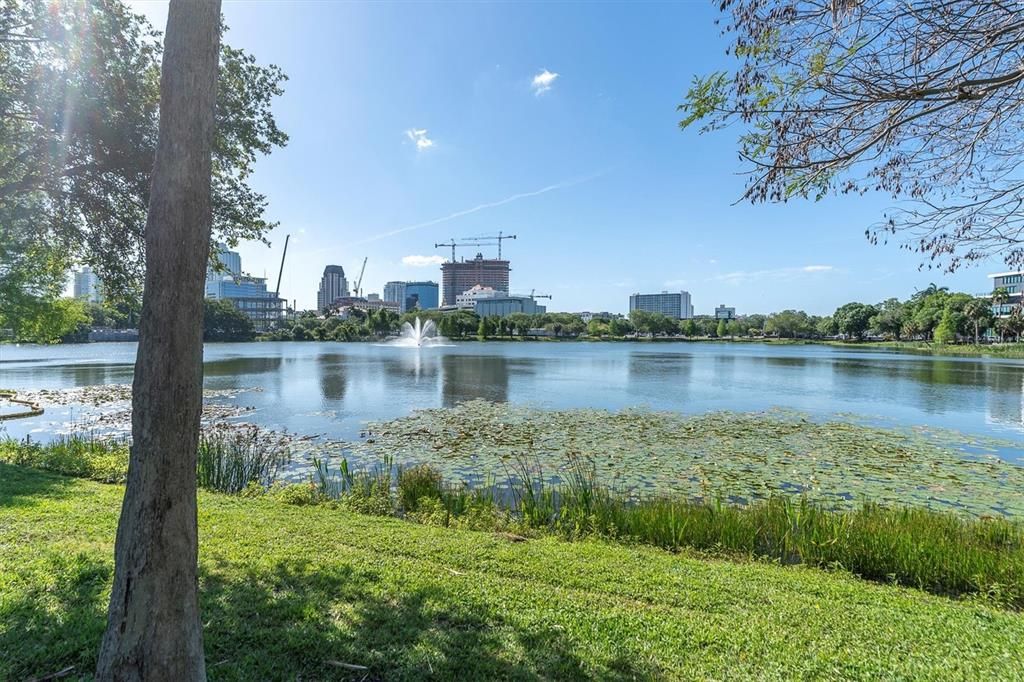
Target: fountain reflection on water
{"x":419,"y":335}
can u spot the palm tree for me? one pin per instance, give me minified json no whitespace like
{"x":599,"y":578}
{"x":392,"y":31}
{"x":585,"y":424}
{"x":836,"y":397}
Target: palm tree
{"x":999,"y":298}
{"x":921,"y":294}
{"x":978,"y":310}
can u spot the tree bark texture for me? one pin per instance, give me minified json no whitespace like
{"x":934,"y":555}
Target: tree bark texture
{"x":154,"y":631}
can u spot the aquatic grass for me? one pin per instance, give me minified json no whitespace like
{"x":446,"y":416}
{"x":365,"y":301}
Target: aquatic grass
{"x":229,"y":458}
{"x":943,"y":552}
{"x":84,"y":455}
{"x":934,"y":551}
{"x":365,"y":490}
{"x":740,"y":457}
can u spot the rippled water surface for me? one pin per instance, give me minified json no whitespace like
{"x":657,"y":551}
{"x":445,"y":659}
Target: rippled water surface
{"x":333,"y":388}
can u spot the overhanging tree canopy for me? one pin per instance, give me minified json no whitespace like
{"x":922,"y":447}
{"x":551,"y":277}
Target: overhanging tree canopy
{"x":79,"y":104}
{"x":922,"y":100}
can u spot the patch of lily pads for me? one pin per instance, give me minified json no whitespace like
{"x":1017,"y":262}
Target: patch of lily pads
{"x":725,"y":455}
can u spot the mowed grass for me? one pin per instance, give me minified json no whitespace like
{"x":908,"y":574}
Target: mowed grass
{"x":315,"y":592}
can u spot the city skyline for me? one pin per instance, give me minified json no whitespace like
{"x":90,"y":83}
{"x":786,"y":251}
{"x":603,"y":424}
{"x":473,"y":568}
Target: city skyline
{"x":571,"y":147}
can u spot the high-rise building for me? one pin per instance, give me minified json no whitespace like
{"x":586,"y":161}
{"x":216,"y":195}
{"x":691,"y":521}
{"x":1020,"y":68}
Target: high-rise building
{"x":676,"y":305}
{"x":459,"y":276}
{"x":230,"y":261}
{"x":333,"y":286}
{"x":412,"y":295}
{"x":394,"y":292}
{"x":722,"y":312}
{"x":247,"y":293}
{"x":420,"y":295}
{"x":87,"y":285}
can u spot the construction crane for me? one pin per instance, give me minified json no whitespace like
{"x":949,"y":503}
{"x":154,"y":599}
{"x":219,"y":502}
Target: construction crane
{"x":534,"y":294}
{"x":277,"y":291}
{"x":488,"y":240}
{"x":359,"y":282}
{"x":452,"y":244}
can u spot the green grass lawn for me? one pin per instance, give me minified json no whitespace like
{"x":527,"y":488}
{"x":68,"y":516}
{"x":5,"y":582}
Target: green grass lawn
{"x":301,"y":592}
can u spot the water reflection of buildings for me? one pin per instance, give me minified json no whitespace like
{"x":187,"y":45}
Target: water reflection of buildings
{"x":937,"y":386}
{"x":1006,"y":398}
{"x":659,"y":374}
{"x":471,"y":377}
{"x":332,"y":375}
{"x":415,"y":365}
{"x":96,"y":374}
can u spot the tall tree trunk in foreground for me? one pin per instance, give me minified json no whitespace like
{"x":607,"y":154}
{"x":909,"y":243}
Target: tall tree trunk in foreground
{"x":154,"y":631}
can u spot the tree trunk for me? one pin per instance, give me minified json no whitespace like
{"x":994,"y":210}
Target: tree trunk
{"x":153,"y":630}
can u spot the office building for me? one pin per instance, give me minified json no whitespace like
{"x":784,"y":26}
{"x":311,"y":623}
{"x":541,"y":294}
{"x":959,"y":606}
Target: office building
{"x":420,"y":296}
{"x":459,"y":276}
{"x":394,"y":292}
{"x":587,"y":316}
{"x":87,"y":285}
{"x":1013,"y":284}
{"x":412,"y":295}
{"x":229,"y":262}
{"x":502,"y":305}
{"x":724,"y":313}
{"x":333,"y":286}
{"x":247,"y":293}
{"x":676,"y":305}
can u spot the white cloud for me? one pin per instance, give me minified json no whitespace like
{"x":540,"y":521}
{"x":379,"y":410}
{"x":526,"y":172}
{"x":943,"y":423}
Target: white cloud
{"x":422,"y":261}
{"x":543,"y":81}
{"x":419,"y":136}
{"x":743,"y":276}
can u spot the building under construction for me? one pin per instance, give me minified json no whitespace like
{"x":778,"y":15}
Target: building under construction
{"x":459,"y":276}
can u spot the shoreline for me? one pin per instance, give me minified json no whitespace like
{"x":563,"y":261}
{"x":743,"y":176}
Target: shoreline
{"x":1006,"y":350}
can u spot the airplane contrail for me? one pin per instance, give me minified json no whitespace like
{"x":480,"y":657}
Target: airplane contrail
{"x":479,"y":207}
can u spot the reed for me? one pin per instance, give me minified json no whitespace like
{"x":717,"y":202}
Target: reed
{"x":231,"y":458}
{"x":228,"y":458}
{"x":938,"y":551}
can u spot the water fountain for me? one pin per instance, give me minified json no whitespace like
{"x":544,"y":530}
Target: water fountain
{"x":419,"y":335}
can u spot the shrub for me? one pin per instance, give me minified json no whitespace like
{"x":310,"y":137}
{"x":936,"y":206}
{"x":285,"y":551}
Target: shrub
{"x":298,"y":494}
{"x":82,"y":455}
{"x":418,"y":483}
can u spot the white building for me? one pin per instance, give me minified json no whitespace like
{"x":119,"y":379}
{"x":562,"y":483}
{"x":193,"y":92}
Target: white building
{"x":1013,"y":283}
{"x":722,"y":312}
{"x":88,"y":286}
{"x":676,"y":305}
{"x":467,"y":299}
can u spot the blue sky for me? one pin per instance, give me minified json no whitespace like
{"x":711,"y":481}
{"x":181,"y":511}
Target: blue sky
{"x":411,"y":123}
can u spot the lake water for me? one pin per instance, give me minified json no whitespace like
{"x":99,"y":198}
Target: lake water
{"x":331,"y":389}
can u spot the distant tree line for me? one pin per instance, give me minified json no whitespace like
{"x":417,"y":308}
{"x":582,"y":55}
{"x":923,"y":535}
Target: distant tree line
{"x":932,"y":314}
